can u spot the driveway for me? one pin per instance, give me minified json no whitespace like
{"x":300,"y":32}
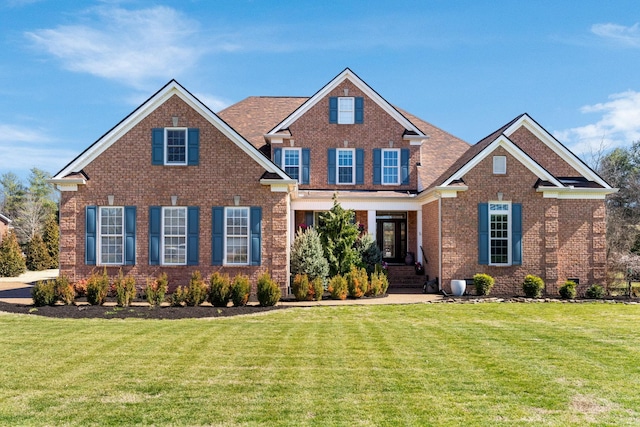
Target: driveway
{"x":17,"y":290}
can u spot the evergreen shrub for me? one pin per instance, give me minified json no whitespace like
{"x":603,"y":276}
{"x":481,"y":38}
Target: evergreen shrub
{"x":533,"y":286}
{"x":268,"y":291}
{"x":568,"y":290}
{"x":219,"y":289}
{"x":240,"y":290}
{"x":483,"y":283}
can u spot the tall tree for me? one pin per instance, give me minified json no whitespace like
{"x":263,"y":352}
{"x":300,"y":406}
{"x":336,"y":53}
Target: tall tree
{"x":13,"y":193}
{"x":51,"y":237}
{"x":30,"y":218}
{"x":12,"y":262}
{"x":42,"y":190}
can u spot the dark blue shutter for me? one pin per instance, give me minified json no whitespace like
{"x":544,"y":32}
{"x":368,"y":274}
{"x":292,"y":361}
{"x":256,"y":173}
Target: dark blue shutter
{"x":359,"y":110}
{"x":277,"y":156}
{"x":129,"y":235}
{"x":404,"y":165}
{"x":217,"y":235}
{"x":483,"y":233}
{"x":306,"y":156}
{"x":333,"y":109}
{"x":377,"y":166}
{"x":255,"y":217}
{"x":516,"y":234}
{"x":193,"y":138}
{"x":91,"y":218}
{"x":331,"y":166}
{"x":193,"y":235}
{"x":157,"y":146}
{"x":155,"y":227}
{"x":359,"y":165}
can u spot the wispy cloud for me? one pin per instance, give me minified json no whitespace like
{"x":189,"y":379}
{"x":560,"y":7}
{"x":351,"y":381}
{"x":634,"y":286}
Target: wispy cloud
{"x":618,"y":125}
{"x":619,"y":34}
{"x":23,"y":148}
{"x":130,"y":46}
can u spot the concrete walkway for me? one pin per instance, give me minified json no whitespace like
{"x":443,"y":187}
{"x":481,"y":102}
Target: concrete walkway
{"x":17,"y":290}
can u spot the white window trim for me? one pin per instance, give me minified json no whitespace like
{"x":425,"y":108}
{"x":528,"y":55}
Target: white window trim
{"x":186,"y":147}
{"x":398,"y":167}
{"x":283,"y":165}
{"x":352,"y":118}
{"x":248,"y":236}
{"x":509,"y":231}
{"x":499,"y":165}
{"x":162,"y":236}
{"x":100,"y":235}
{"x":353,"y":166}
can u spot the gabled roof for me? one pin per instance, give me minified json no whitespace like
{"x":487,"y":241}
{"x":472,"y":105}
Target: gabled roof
{"x":347,"y":74}
{"x":500,"y":138}
{"x":173,"y":88}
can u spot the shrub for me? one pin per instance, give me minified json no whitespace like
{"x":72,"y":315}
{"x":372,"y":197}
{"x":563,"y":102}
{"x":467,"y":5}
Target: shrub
{"x":197,"y":290}
{"x":300,"y":287}
{"x":51,"y":238}
{"x":378,"y":284}
{"x":595,"y":292}
{"x":568,"y":290}
{"x":317,"y":285}
{"x":219,"y":289}
{"x":12,"y":262}
{"x":125,"y":289}
{"x":338,"y":287}
{"x":240,"y":290}
{"x":357,"y":282}
{"x":483,"y":283}
{"x":65,"y":292}
{"x":156,"y":289}
{"x":44,"y":293}
{"x":97,"y":288}
{"x":307,"y":255}
{"x":80,"y":287}
{"x":178,"y":297}
{"x":370,"y":254}
{"x":268,"y":291}
{"x":36,"y":254}
{"x":532,"y":286}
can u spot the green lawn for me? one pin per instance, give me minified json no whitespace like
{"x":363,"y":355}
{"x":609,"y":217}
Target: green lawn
{"x":485,"y":364}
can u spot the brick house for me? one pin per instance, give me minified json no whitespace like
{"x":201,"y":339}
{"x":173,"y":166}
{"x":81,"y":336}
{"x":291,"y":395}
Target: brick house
{"x":5,"y":226}
{"x":175,"y":187}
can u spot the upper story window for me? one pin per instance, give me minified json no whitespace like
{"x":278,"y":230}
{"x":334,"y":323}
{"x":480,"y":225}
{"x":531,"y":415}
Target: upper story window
{"x":175,"y":146}
{"x":346,"y":110}
{"x":391,"y":167}
{"x":499,"y":165}
{"x":111,"y":238}
{"x":291,"y":162}
{"x":345,"y":166}
{"x":174,"y":236}
{"x":499,"y":233}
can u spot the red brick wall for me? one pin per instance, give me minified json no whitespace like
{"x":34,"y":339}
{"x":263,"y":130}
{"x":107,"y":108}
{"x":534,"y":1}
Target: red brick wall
{"x":124,"y":170}
{"x":314,"y":131}
{"x":430,"y":238}
{"x":561,"y":238}
{"x":544,"y":155}
{"x":3,"y":229}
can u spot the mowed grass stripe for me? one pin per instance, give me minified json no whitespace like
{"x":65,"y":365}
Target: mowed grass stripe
{"x":486,"y":364}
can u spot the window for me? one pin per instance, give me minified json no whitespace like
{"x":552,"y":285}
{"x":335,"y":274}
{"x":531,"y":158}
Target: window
{"x":237,"y":236}
{"x":499,"y":165}
{"x":499,"y":233}
{"x":291,"y":162}
{"x":176,"y":146}
{"x":345,"y":166}
{"x":390,"y":167}
{"x":346,"y":110}
{"x":174,"y":236}
{"x":111,"y":238}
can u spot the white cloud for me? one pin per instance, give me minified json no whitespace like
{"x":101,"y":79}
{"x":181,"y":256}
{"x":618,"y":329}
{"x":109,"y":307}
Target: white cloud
{"x":213,"y":102}
{"x":24,"y":148}
{"x":618,"y":125}
{"x":130,"y":46}
{"x":626,"y":36}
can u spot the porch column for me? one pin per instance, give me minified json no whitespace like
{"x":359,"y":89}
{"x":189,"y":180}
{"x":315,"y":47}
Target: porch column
{"x":419,"y":236}
{"x":371,"y":223}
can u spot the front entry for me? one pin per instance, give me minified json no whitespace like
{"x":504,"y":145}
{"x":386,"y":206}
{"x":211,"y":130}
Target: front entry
{"x":392,"y":236}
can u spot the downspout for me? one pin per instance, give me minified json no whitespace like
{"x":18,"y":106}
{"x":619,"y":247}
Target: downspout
{"x":439,"y":243}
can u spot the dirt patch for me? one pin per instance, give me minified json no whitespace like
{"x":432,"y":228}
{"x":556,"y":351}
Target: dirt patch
{"x":139,"y":312}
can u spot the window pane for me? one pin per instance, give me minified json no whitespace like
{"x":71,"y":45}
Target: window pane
{"x":176,"y":146}
{"x":292,"y":163}
{"x":111,"y":235}
{"x":499,"y":233}
{"x":175,"y":236}
{"x":345,"y":166}
{"x":237,"y":235}
{"x":345,"y":110}
{"x":390,"y":167}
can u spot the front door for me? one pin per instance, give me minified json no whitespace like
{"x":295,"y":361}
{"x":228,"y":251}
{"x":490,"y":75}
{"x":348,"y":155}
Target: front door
{"x":392,"y":237}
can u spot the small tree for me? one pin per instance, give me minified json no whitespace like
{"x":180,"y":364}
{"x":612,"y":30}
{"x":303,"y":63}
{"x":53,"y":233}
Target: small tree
{"x":51,"y":237}
{"x":37,"y":256}
{"x":12,"y":262}
{"x":338,"y":234}
{"x":307,"y":255}
{"x":369,"y":252}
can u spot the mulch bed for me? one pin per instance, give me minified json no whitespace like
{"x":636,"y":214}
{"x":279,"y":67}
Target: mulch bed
{"x":136,"y":311}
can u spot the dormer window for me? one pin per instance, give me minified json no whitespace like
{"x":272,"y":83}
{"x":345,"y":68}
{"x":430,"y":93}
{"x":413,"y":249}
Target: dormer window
{"x":346,"y":110}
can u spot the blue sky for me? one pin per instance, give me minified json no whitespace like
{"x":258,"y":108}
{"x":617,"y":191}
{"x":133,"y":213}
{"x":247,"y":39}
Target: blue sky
{"x":70,"y":70}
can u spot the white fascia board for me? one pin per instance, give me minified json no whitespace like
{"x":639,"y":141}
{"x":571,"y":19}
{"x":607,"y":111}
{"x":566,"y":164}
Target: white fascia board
{"x":281,"y":185}
{"x":576,"y":193}
{"x":416,"y":139}
{"x":173,"y":88}
{"x":557,"y":147}
{"x":347,"y":74}
{"x":511,"y":148}
{"x":380,"y":203}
